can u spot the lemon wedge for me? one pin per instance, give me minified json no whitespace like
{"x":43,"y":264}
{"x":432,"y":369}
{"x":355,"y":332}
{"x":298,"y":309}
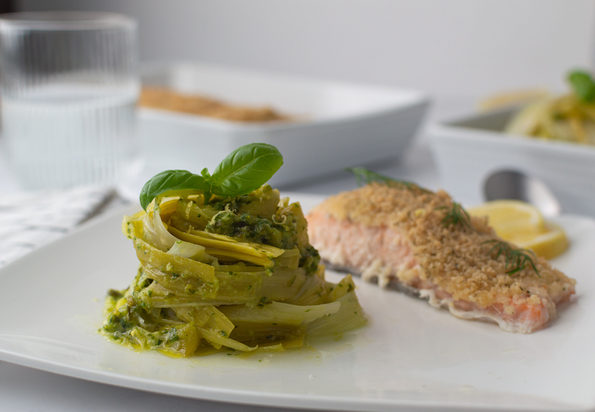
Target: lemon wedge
{"x":549,"y":244}
{"x":522,"y":224}
{"x":511,"y":217}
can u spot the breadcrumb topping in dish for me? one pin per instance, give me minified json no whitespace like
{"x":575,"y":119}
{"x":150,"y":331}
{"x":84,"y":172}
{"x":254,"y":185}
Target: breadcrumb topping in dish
{"x":166,"y":99}
{"x":458,"y":261}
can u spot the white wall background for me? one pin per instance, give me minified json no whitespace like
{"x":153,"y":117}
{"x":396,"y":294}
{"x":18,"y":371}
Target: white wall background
{"x":447,"y":47}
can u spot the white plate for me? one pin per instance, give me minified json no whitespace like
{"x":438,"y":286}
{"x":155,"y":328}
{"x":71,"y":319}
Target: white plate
{"x":411,"y":355}
{"x":337,"y":125}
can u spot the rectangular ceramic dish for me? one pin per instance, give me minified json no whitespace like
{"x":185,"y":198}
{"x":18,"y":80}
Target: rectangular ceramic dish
{"x":470,"y":149}
{"x":336,"y":125}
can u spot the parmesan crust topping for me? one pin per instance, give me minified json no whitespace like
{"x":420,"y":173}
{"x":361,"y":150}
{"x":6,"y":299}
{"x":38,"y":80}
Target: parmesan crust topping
{"x":459,"y":259}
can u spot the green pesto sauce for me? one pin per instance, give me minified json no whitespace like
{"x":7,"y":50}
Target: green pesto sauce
{"x":122,"y":325}
{"x":250,"y":228}
{"x":258,"y":217}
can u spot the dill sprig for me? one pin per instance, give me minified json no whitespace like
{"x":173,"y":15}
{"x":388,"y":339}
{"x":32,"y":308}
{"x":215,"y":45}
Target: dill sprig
{"x":516,"y":259}
{"x":456,"y":215}
{"x":365,"y":176}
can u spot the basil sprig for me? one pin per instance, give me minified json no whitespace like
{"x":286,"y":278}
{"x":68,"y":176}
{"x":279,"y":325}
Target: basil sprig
{"x":246,"y":169}
{"x":242,"y":171}
{"x":583,"y":85}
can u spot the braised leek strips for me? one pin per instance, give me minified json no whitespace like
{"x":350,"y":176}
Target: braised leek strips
{"x":226,"y":273}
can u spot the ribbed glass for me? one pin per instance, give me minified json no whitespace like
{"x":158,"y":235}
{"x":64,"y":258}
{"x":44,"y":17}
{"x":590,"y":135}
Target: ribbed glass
{"x":69,"y":88}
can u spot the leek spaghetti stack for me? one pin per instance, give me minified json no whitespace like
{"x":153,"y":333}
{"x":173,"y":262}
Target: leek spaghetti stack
{"x":221,"y":273}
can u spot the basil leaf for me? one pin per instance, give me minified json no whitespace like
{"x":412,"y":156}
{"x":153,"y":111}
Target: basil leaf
{"x":171,"y":180}
{"x":246,"y":169}
{"x":583,"y":85}
{"x":242,"y":171}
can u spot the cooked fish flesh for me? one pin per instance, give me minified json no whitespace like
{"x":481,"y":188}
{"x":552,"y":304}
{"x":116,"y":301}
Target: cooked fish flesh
{"x":424,"y":242}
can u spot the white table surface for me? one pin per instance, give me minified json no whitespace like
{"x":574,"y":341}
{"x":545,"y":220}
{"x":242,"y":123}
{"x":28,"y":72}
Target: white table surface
{"x":25,"y":389}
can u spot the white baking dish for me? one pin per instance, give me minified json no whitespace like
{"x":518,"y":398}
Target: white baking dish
{"x":468,"y":150}
{"x":337,"y":125}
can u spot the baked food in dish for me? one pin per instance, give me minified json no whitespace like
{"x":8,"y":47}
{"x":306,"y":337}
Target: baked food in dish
{"x":424,"y":242}
{"x":166,"y":99}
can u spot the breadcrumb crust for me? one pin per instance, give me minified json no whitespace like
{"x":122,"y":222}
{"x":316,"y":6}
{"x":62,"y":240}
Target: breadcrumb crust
{"x":455,"y":258}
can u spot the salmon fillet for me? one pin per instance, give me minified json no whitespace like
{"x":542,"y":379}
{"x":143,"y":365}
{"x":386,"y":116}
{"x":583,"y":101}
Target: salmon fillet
{"x":408,"y":237}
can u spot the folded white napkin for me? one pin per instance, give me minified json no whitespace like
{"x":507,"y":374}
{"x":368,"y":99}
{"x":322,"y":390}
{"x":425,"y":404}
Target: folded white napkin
{"x":29,"y":220}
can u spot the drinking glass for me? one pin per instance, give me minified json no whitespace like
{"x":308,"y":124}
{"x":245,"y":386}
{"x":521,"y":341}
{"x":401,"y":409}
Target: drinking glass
{"x":69,"y":87}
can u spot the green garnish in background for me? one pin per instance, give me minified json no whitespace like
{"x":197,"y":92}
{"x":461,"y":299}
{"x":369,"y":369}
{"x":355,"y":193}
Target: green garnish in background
{"x":583,"y":85}
{"x":365,"y":176}
{"x":242,"y":171}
